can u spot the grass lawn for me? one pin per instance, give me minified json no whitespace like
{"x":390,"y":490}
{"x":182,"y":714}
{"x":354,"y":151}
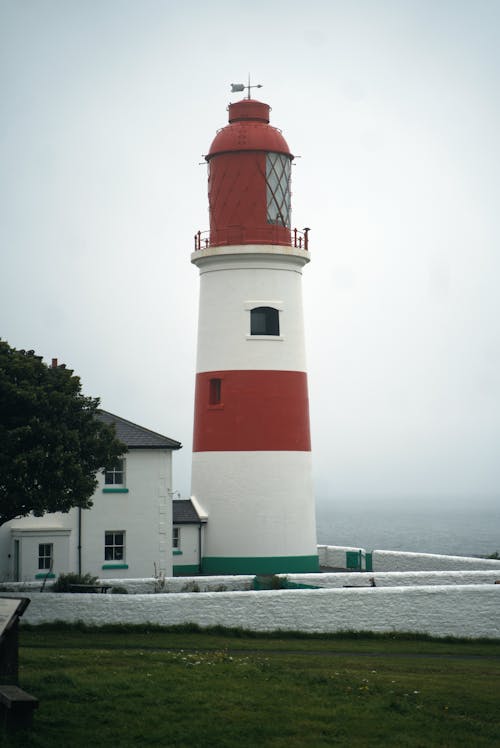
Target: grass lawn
{"x":138,"y":687}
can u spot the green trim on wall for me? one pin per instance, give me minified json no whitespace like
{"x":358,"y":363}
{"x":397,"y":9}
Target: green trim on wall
{"x":45,"y":576}
{"x":186,"y":570}
{"x":114,"y":566}
{"x":176,"y":552}
{"x":260,"y":565}
{"x":115,"y":490}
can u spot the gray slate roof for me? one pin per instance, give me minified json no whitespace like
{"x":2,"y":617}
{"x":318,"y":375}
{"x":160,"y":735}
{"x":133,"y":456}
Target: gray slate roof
{"x":184,"y":513}
{"x":137,"y":437}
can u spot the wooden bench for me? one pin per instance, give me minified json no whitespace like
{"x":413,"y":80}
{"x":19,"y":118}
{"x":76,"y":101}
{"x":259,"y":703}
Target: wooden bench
{"x":17,"y":707}
{"x":371,"y":580}
{"x":103,"y":588}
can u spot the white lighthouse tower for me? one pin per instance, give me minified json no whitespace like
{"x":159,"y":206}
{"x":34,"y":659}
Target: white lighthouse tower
{"x":251,"y":469}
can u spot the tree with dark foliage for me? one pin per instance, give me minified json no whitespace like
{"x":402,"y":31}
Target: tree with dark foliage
{"x":51,"y":443}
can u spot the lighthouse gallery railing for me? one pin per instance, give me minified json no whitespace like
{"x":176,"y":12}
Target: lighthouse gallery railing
{"x":298,"y":239}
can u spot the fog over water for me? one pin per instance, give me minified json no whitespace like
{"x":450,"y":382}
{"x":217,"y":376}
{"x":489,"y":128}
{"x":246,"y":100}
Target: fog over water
{"x":470,"y":527}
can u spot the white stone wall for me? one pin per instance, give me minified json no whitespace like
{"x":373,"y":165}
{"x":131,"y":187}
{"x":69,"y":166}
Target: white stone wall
{"x":326,"y":581}
{"x":396,"y":578}
{"x":405,"y":561}
{"x":451,"y":610}
{"x":335,"y":556}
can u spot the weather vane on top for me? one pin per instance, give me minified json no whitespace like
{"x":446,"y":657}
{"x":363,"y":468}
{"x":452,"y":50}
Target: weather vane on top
{"x":235,"y":87}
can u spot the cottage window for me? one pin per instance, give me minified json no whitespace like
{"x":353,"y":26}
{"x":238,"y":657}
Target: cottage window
{"x":115,"y":476}
{"x":114,"y":545}
{"x":176,"y":538}
{"x":45,"y":555}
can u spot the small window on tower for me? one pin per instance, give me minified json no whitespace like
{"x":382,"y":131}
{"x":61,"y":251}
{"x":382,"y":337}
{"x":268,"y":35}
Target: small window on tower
{"x":215,"y":392}
{"x":264,"y":320}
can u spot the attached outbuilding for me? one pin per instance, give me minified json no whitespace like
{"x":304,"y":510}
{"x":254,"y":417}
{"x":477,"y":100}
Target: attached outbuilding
{"x":188,"y":525}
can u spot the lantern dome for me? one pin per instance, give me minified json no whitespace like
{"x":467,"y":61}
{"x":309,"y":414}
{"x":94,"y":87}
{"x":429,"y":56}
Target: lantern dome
{"x":249,"y":130}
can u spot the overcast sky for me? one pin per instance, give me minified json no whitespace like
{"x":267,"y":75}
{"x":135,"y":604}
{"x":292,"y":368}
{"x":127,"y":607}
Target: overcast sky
{"x":393,"y":107}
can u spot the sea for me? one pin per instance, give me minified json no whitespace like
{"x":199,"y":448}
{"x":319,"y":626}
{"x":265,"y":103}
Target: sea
{"x":465,"y":531}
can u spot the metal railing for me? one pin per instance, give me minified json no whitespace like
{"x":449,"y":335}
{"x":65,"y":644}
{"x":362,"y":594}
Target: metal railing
{"x":301,"y":238}
{"x":202,"y":239}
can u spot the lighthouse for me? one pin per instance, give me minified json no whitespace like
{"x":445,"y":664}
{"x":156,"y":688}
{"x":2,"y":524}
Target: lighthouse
{"x":251,"y":469}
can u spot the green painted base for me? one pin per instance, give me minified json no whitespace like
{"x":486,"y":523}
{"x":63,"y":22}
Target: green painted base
{"x":261,"y":565}
{"x":186,"y":570}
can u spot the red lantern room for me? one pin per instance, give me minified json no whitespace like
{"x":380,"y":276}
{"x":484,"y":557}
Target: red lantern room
{"x":249,"y":169}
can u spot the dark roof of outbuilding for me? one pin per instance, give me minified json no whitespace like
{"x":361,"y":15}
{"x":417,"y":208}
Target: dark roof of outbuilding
{"x":184,"y":513}
{"x":137,"y":437}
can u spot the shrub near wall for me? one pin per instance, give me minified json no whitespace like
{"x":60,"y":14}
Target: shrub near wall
{"x":151,"y":585}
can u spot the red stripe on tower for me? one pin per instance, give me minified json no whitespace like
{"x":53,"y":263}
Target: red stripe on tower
{"x":251,"y":410}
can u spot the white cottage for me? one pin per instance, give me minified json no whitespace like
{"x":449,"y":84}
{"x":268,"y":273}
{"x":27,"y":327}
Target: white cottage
{"x":126,"y":534}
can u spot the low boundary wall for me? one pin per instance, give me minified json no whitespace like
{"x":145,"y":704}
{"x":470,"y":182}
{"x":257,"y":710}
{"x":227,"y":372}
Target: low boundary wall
{"x":350,"y":557}
{"x":396,"y":578}
{"x":417,"y":592}
{"x":326,"y":580}
{"x":406,"y":561}
{"x":450,"y":610}
{"x":150,"y":585}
